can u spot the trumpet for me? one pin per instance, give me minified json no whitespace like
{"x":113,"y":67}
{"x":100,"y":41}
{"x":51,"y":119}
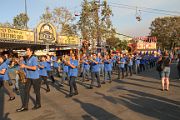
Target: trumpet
{"x":91,"y":59}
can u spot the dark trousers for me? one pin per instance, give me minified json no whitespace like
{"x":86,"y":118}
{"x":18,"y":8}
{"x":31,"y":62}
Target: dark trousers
{"x":130,"y":70}
{"x":126,"y":69}
{"x":64,"y":77}
{"x":45,"y":81}
{"x":56,"y":71}
{"x":142,"y":67}
{"x":95,"y":75}
{"x":72,"y":83}
{"x":107,"y":75}
{"x":151,"y":64}
{"x":1,"y":83}
{"x":36,"y":85}
{"x":179,"y":72}
{"x":119,"y":72}
{"x":50,"y":75}
{"x":22,"y":88}
{"x":8,"y":88}
{"x":85,"y":74}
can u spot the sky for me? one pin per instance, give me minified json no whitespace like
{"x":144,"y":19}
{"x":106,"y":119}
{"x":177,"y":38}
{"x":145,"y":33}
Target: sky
{"x":123,"y":19}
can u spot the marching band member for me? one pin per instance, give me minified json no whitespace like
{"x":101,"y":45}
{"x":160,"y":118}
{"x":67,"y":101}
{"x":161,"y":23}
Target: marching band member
{"x":32,"y":76}
{"x":95,"y":70}
{"x":43,"y":72}
{"x":86,"y":68}
{"x":4,"y":77}
{"x":107,"y":69}
{"x":49,"y":69}
{"x":73,"y":74}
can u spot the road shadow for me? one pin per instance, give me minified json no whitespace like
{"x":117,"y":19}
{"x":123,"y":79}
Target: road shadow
{"x":3,"y":116}
{"x":84,"y":84}
{"x":147,"y":104}
{"x":135,"y":84}
{"x":147,"y":81}
{"x":153,"y":73}
{"x":87,"y":117}
{"x":96,"y":111}
{"x":60,"y":88}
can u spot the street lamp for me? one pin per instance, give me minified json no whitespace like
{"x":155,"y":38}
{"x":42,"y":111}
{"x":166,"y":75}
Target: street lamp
{"x":25,"y":4}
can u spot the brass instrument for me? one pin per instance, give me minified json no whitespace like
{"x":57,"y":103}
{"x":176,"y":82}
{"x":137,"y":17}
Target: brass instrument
{"x":22,"y":76}
{"x":67,"y":58}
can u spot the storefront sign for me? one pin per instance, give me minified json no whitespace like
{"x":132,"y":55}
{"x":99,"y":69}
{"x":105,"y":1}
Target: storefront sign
{"x":15,"y":34}
{"x":146,"y":38}
{"x":68,"y":40}
{"x":46,"y":32}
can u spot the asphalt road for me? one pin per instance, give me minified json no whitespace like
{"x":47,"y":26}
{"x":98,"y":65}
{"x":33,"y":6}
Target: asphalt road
{"x":134,"y":98}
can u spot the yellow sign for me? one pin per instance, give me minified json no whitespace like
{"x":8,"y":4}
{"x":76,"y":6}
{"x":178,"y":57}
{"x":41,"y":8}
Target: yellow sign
{"x":15,"y":34}
{"x":46,"y":32}
{"x":68,"y":40}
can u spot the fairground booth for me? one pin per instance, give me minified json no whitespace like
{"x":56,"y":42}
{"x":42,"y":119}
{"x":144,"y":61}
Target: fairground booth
{"x":143,"y":44}
{"x":44,"y":38}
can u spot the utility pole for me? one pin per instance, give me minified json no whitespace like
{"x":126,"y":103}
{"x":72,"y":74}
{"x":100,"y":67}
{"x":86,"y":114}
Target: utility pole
{"x":26,"y":11}
{"x":97,"y":23}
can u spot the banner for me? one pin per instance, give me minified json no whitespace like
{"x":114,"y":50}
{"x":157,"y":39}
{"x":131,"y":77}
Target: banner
{"x":68,"y":40}
{"x":15,"y":34}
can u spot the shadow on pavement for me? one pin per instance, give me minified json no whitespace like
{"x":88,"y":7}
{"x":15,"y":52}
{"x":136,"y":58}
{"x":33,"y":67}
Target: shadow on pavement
{"x":139,"y":85}
{"x":152,"y":73}
{"x":96,"y":111}
{"x":86,"y":85}
{"x":87,"y":117}
{"x":143,"y":80}
{"x":147,"y":104}
{"x":3,"y":116}
{"x":58,"y":87}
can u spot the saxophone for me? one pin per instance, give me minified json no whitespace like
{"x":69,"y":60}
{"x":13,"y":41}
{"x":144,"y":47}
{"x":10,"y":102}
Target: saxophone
{"x":22,"y":76}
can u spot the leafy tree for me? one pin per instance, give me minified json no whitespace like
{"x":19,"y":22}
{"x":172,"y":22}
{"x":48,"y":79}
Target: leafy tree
{"x":20,"y":21}
{"x":62,"y":18}
{"x":6,"y":24}
{"x":167,"y":31}
{"x":115,"y":42}
{"x":47,"y":16}
{"x":93,"y":26}
{"x":107,"y":29}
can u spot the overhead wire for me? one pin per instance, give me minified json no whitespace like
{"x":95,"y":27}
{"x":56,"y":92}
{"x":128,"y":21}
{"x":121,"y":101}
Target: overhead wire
{"x":145,"y":9}
{"x":140,"y":10}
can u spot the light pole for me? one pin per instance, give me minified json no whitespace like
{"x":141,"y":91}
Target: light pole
{"x":98,"y":26}
{"x":26,"y":11}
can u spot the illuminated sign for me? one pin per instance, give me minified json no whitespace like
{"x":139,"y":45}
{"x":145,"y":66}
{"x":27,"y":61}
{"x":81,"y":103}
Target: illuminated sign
{"x":46,"y":33}
{"x":15,"y":34}
{"x":146,"y":39}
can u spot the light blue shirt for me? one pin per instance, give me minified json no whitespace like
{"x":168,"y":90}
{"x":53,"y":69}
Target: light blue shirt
{"x":95,"y":67}
{"x":4,"y":76}
{"x":121,"y":65}
{"x":73,"y":71}
{"x":85,"y":65}
{"x":43,"y":71}
{"x":48,"y":67}
{"x":107,"y":65}
{"x":55,"y":64}
{"x":32,"y":74}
